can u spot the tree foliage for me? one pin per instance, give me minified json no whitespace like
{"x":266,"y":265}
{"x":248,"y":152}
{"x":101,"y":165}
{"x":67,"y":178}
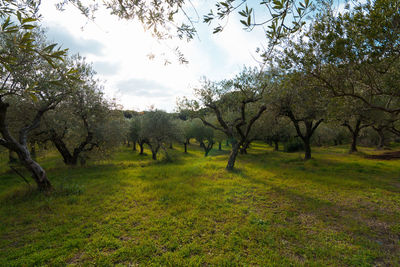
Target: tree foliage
{"x":32,"y":75}
{"x":236,"y":104}
{"x":158,"y":129}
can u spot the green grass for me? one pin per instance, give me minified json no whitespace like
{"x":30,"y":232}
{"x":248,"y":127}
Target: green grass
{"x":273,"y":210}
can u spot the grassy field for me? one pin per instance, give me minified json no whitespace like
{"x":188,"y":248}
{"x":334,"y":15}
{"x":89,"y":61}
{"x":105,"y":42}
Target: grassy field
{"x":274,"y":210}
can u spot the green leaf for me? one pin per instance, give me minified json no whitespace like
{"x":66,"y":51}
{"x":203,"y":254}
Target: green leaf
{"x":5,"y":24}
{"x":56,"y":82}
{"x":27,"y":20}
{"x":34,"y":97}
{"x":217,"y":29}
{"x":225,"y":4}
{"x":19,"y":16}
{"x":72,"y":71}
{"x":50,"y":47}
{"x":28,"y":27}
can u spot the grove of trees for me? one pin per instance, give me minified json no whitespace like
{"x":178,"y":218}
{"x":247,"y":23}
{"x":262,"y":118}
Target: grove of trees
{"x":331,"y":81}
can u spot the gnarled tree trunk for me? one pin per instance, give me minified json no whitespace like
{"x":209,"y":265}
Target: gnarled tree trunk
{"x":381,"y":144}
{"x":141,"y":145}
{"x":310,"y":128}
{"x":232,"y":156}
{"x":307,"y":149}
{"x":38,"y":173}
{"x":353,"y":147}
{"x":72,"y":158}
{"x":207,"y":148}
{"x":154,"y":150}
{"x":355,"y":132}
{"x":68,"y":158}
{"x":381,"y":134}
{"x":245,"y":146}
{"x":20,"y":147}
{"x":276,"y":147}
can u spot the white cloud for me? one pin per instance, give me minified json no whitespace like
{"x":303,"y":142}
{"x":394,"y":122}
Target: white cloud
{"x":65,"y":39}
{"x":119,"y":49}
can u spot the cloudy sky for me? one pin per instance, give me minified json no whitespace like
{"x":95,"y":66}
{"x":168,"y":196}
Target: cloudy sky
{"x":119,"y":52}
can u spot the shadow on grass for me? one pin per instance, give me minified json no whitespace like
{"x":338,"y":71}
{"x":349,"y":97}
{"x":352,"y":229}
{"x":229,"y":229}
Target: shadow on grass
{"x":361,"y":222}
{"x":343,"y":174}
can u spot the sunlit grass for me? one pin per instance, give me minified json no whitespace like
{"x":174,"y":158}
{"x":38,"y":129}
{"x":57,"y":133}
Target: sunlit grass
{"x":274,"y":209}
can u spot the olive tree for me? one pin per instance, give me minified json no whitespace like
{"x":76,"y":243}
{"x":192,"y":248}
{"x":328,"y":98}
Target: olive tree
{"x":81,"y":124}
{"x":134,"y":131}
{"x":354,"y":54}
{"x":185,"y":130}
{"x":33,"y":75}
{"x":219,"y":137}
{"x":204,"y":135}
{"x":352,"y":114}
{"x":273,"y":129}
{"x":383,"y":123}
{"x":305,"y":104}
{"x":75,"y":126}
{"x":236,"y":104}
{"x":158,"y":130}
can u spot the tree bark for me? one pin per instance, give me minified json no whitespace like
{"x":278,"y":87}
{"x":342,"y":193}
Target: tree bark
{"x":134,"y":146}
{"x":185,"y":145}
{"x":307,"y":149}
{"x":219,"y":146}
{"x":245,"y":146}
{"x":38,"y":173}
{"x":207,"y":148}
{"x":71,"y":158}
{"x":354,"y":135}
{"x":306,"y":137}
{"x":20,"y":147}
{"x":276,"y":148}
{"x":141,"y":145}
{"x":68,"y":158}
{"x":353,"y":147}
{"x":355,"y":132}
{"x":381,"y":134}
{"x":154,"y":150}
{"x":232,"y":156}
{"x":381,"y":144}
